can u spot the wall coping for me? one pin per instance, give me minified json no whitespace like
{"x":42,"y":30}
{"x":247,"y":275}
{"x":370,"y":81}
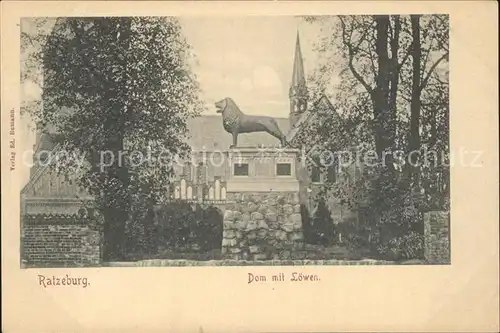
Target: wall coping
{"x":62,"y":199}
{"x":257,"y":149}
{"x":189,"y":263}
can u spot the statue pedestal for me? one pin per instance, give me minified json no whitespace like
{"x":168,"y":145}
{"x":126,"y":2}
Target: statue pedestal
{"x":263,"y":170}
{"x":262,"y":220}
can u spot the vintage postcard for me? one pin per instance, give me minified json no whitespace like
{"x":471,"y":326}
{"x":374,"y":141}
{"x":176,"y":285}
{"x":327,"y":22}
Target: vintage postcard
{"x":249,"y":167}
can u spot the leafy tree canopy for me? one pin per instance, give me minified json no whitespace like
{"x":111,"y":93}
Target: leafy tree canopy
{"x":119,"y":88}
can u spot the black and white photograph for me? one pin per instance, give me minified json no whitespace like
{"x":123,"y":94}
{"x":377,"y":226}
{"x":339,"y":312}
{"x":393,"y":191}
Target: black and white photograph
{"x":160,"y":141}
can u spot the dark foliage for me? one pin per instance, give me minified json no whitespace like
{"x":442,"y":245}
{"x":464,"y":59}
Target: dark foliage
{"x":318,"y":229}
{"x":121,"y":85}
{"x":180,"y":227}
{"x":393,"y":96}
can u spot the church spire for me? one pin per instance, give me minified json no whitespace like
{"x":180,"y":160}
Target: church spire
{"x":298,"y":88}
{"x":298,"y":77}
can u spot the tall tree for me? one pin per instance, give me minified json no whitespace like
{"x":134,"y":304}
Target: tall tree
{"x":436,"y":30}
{"x":387,"y":77}
{"x":119,"y":91}
{"x":414,"y":138}
{"x":373,"y":56}
{"x":367,"y":41}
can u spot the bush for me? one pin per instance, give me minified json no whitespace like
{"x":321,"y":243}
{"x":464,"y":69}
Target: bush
{"x":173,"y":224}
{"x":355,"y":237}
{"x":207,"y":228}
{"x":181,"y":228}
{"x":320,"y":228}
{"x":140,"y":235}
{"x":306,"y":224}
{"x":408,"y":246}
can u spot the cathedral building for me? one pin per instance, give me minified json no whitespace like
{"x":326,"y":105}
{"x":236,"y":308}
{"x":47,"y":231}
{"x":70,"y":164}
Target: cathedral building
{"x":200,"y":180}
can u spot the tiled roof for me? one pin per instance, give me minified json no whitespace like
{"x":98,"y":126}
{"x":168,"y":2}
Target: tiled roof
{"x":207,"y":133}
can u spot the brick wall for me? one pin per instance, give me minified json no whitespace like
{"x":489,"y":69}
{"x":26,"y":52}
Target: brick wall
{"x":59,"y":241}
{"x":437,"y":237}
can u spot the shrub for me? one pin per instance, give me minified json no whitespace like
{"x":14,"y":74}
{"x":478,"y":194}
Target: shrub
{"x":173,"y":223}
{"x":207,"y":228}
{"x":181,"y":228}
{"x":306,"y":224}
{"x":320,"y":228}
{"x":408,"y":246}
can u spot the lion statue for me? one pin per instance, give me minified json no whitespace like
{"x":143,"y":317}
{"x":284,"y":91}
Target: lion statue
{"x":236,"y":122}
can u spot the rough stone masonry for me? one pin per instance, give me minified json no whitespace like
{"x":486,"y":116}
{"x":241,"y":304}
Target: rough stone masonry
{"x":437,"y":237}
{"x":262,"y":226}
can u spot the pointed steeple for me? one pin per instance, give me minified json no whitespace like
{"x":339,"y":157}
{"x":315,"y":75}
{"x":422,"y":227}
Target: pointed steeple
{"x":298,"y":77}
{"x":298,"y":88}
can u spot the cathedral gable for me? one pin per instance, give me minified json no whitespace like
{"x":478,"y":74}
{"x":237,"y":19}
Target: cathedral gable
{"x":48,"y":182}
{"x":298,"y":135}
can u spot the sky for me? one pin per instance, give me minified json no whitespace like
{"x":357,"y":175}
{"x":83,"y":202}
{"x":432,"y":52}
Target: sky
{"x":249,"y":59}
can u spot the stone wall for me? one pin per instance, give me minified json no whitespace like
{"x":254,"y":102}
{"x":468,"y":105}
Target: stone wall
{"x":59,"y":241}
{"x":262,"y":226}
{"x":437,"y":237}
{"x":230,"y":262}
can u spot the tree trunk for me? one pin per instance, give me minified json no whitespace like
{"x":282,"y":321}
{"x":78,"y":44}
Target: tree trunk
{"x":414,"y":139}
{"x":394,"y":78}
{"x":114,"y":234}
{"x":380,"y":97}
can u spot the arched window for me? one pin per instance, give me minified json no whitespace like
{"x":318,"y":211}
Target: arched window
{"x":217,"y":189}
{"x":58,"y":185}
{"x":49,"y":179}
{"x":315,"y":174}
{"x":223,"y":193}
{"x":183,"y":189}
{"x":202,"y":173}
{"x":189,"y":193}
{"x":332,"y":174}
{"x":187,"y":171}
{"x":315,"y":170}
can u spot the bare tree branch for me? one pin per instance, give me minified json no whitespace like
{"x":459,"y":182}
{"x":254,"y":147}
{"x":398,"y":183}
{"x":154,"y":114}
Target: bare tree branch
{"x":361,"y":40}
{"x":351,"y":58}
{"x":438,"y":79}
{"x":405,"y":57}
{"x":431,"y":70}
{"x":406,"y":98}
{"x":422,"y":70}
{"x":372,"y":60}
{"x":370,"y":54}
